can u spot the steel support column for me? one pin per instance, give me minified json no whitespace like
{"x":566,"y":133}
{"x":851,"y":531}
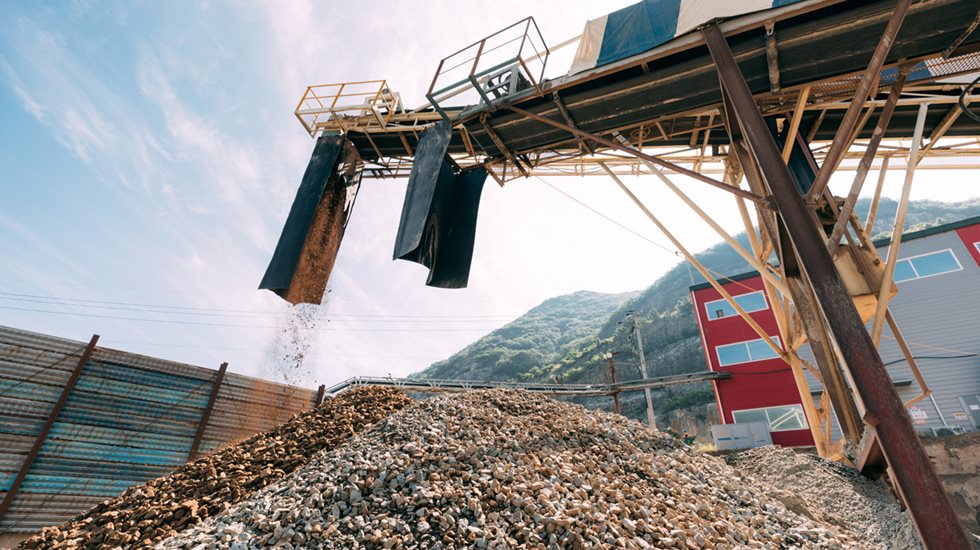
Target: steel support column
{"x":915,"y":477}
{"x":802,"y":297}
{"x":8,"y":499}
{"x":203,"y":424}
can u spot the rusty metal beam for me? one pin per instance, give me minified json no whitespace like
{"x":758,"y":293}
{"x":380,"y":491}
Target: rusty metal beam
{"x":864,"y":166}
{"x":802,"y":298}
{"x":816,"y":125}
{"x":8,"y":499}
{"x":915,"y":477}
{"x":959,"y":39}
{"x":772,"y":55}
{"x":642,"y":156}
{"x":500,"y":145}
{"x":203,"y":424}
{"x":570,"y":121}
{"x":319,"y":395}
{"x":405,"y":144}
{"x":839,"y":145}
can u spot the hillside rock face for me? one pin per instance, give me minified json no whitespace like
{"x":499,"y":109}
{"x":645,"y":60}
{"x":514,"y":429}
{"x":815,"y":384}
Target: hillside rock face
{"x":505,"y":469}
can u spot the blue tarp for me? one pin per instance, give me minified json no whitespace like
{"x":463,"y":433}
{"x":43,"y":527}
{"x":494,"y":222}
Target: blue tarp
{"x":638,"y":28}
{"x":648,"y":24}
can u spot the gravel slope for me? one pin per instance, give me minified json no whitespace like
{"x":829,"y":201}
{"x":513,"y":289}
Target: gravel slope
{"x":504,"y":469}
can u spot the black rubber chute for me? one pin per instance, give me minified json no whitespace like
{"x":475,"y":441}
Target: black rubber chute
{"x":438,"y":223}
{"x":426,"y":167}
{"x":308,"y":207}
{"x":451,"y":231}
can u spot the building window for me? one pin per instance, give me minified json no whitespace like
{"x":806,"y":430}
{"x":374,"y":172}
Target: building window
{"x":780,"y":419}
{"x":977,"y":246}
{"x":926,"y":265}
{"x":753,"y":301}
{"x":745,"y":352}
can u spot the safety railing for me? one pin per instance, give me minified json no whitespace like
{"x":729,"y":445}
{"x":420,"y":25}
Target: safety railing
{"x":346,"y":105}
{"x":507,"y":61}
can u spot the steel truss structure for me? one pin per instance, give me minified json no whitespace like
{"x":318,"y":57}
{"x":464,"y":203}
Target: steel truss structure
{"x":865,"y":85}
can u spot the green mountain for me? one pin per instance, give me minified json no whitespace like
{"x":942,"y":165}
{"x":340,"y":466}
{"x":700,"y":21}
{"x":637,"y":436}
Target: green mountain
{"x":541,"y":336}
{"x":565,"y":338}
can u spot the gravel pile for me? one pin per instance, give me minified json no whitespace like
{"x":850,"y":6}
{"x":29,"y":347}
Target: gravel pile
{"x":504,"y":469}
{"x":145,"y":514}
{"x":830,"y":493}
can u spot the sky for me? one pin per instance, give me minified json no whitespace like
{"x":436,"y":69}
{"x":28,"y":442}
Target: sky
{"x":149,"y":156}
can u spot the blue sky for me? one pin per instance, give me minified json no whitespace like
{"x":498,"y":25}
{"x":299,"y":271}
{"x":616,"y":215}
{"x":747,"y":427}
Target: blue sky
{"x":149,"y":157}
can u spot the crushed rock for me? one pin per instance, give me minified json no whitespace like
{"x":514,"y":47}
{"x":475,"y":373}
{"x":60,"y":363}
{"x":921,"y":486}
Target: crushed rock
{"x":145,"y":514}
{"x":830,"y":493}
{"x":504,"y":469}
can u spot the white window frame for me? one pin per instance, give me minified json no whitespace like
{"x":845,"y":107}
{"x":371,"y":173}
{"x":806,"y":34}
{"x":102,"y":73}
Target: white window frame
{"x":747,"y":349}
{"x":707,"y":309}
{"x":959,"y":265}
{"x":806,"y":423}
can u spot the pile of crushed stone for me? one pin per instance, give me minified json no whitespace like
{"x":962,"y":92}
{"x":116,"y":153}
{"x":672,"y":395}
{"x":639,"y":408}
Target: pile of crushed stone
{"x":505,"y":468}
{"x":145,"y":514}
{"x":830,"y":493}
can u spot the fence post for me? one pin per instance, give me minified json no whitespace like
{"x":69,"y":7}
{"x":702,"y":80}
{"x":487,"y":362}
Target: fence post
{"x":319,"y":395}
{"x":8,"y":499}
{"x":203,"y":424}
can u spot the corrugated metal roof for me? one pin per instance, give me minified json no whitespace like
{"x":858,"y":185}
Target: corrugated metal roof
{"x":130,"y":418}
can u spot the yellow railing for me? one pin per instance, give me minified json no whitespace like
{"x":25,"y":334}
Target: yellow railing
{"x":347,"y":104}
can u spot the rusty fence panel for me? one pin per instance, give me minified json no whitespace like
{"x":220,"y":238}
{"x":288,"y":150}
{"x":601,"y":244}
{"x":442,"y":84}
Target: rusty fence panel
{"x":129,"y":418}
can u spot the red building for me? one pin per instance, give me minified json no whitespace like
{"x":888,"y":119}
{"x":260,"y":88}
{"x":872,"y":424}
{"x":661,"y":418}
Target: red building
{"x":762,"y":387}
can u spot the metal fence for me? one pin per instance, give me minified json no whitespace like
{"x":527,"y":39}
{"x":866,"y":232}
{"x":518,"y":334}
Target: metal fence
{"x":80,"y":423}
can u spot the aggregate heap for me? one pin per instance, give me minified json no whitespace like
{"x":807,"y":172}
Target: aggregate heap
{"x":145,"y":514}
{"x":830,"y":492}
{"x":504,"y":469}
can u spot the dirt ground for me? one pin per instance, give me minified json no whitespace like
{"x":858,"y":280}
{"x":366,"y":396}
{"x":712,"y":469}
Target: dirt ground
{"x":957,"y":461}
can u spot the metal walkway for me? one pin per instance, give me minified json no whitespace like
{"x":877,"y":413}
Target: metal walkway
{"x":578,"y":390}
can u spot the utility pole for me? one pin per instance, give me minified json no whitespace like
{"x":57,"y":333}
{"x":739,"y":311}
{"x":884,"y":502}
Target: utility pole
{"x":612,"y":376}
{"x":651,"y":418}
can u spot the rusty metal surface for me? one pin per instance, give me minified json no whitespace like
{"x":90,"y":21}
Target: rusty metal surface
{"x":46,"y":428}
{"x":129,"y":418}
{"x":192,"y":455}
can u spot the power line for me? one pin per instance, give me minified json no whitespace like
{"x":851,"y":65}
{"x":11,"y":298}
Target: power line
{"x":676,"y":253}
{"x":231,"y":325}
{"x":420,"y":320}
{"x":179,"y":310}
{"x":325,"y":353}
{"x":608,"y":218}
{"x":148,"y":308}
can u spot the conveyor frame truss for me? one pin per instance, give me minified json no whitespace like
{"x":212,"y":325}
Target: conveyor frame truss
{"x":829,"y":279}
